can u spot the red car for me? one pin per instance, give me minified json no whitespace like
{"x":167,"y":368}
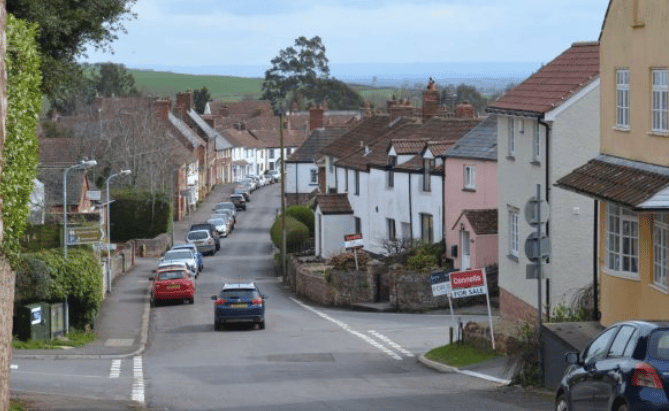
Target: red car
{"x":172,"y":284}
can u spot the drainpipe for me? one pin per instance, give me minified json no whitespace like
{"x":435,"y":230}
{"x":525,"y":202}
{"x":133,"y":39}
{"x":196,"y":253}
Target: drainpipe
{"x":548,"y":187}
{"x":410,"y":211}
{"x":596,"y":315}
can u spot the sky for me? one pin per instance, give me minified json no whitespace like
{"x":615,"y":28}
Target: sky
{"x":191,"y":36}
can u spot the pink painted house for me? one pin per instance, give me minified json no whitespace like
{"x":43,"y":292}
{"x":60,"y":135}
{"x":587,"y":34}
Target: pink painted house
{"x":470,"y":198}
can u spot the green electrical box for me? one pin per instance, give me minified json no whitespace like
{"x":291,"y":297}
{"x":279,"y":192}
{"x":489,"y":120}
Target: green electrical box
{"x":34,"y":322}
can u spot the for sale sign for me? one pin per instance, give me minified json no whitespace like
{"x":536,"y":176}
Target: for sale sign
{"x":468,"y":283}
{"x":353,"y":241}
{"x":441,"y":284}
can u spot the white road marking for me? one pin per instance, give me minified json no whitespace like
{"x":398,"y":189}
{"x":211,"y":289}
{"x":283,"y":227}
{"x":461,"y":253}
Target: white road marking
{"x":391,"y":343}
{"x":115,"y":371}
{"x":138,"y":380}
{"x":13,"y":367}
{"x":348,"y":329}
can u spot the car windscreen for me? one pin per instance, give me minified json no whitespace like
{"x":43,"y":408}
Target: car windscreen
{"x":198,"y":235}
{"x":239,"y":294}
{"x":170,"y":275}
{"x":225,"y":205}
{"x":178,"y":255}
{"x":217,"y":221}
{"x":658,"y":344}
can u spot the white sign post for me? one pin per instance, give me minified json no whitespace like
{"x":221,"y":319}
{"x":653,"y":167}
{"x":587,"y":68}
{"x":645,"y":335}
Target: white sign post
{"x":441,"y":285}
{"x":471,"y":283}
{"x":354,"y":241}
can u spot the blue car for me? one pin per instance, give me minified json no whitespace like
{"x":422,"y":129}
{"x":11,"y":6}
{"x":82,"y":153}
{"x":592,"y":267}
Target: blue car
{"x":239,"y":303}
{"x":625,"y":368}
{"x":200,"y":258}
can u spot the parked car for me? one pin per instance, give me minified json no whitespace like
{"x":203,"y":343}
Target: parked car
{"x":172,"y":284}
{"x":200,"y":259}
{"x":221,"y":224}
{"x":203,"y":240}
{"x":227,"y":214}
{"x":178,"y":265}
{"x":256,"y":180}
{"x":243,"y":191}
{"x":186,"y":256}
{"x":212,"y":230}
{"x":227,"y":205}
{"x":625,"y":368}
{"x":273,"y":175}
{"x":262,"y":181}
{"x":239,"y":201}
{"x":239,"y":303}
{"x":250,"y":183}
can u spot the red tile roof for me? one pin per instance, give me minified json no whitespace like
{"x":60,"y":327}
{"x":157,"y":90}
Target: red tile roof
{"x":553,"y":83}
{"x":334,"y":204}
{"x":483,"y":222}
{"x":408,"y":146}
{"x":367,"y":131}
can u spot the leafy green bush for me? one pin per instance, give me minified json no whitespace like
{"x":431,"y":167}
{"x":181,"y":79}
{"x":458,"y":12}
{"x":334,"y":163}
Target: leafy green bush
{"x":346,"y":261}
{"x":54,"y":278}
{"x":139,"y":214}
{"x":21,"y":151}
{"x":424,"y":257}
{"x":296,"y":234}
{"x":303,"y":214}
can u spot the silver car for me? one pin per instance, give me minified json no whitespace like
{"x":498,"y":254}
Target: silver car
{"x":221,"y":225}
{"x":203,"y":240}
{"x":185,"y":256}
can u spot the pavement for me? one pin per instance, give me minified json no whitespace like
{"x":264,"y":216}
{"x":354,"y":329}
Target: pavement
{"x":122,"y":327}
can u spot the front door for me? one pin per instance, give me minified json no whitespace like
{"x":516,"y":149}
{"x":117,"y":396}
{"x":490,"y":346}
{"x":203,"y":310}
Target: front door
{"x":466,"y":264}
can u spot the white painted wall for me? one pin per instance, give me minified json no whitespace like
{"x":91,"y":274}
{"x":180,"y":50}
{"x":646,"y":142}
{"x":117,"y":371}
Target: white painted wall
{"x":298,"y":177}
{"x":329,"y":232}
{"x":574,"y":139}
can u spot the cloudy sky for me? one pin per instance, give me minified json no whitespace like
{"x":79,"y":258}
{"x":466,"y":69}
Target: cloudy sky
{"x":178,"y":33}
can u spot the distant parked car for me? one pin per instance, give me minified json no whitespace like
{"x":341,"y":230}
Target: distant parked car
{"x":227,"y":205}
{"x":239,"y":303}
{"x":172,"y":284}
{"x":625,"y":368}
{"x":203,"y":240}
{"x":274,"y":175}
{"x":239,"y":201}
{"x":250,"y":183}
{"x":243,"y":191}
{"x":177,"y":265}
{"x":262,"y":180}
{"x":186,"y":256}
{"x":212,"y":230}
{"x":222,"y":225}
{"x":200,"y":259}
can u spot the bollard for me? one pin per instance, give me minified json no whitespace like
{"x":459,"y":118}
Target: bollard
{"x":450,"y":334}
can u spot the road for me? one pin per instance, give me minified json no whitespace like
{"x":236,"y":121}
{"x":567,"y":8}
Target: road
{"x":308,"y":357}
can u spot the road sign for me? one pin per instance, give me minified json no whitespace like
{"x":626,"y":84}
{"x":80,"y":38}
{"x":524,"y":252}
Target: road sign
{"x":532,"y":211}
{"x":84,"y":235}
{"x":441,"y":283}
{"x":532,"y":247}
{"x":353,"y":241}
{"x":532,"y":271}
{"x":106,"y":247}
{"x":94,"y":195}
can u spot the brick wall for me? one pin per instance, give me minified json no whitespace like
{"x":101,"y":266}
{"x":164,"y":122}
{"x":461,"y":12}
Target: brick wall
{"x":513,"y":308}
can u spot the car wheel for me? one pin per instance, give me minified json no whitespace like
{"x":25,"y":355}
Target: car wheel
{"x":561,"y":404}
{"x":191,"y":300}
{"x":261,"y":325}
{"x":623,"y":407}
{"x":152,"y":301}
{"x":217,"y":326}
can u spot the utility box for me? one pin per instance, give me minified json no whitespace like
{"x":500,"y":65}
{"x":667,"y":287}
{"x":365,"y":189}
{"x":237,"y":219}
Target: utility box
{"x":34,"y":322}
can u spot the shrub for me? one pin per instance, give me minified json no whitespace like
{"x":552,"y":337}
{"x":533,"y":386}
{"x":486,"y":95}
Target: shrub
{"x":303,"y":214}
{"x":139,"y":214}
{"x":296,"y":234}
{"x":346,"y":261}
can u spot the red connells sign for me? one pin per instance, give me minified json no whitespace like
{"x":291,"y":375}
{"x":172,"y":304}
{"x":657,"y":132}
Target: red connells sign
{"x":467,"y":279}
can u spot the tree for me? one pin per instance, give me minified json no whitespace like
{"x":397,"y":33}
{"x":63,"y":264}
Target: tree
{"x":338,"y":95}
{"x":66,"y":28}
{"x":114,"y":80}
{"x":296,"y":69}
{"x":201,"y":98}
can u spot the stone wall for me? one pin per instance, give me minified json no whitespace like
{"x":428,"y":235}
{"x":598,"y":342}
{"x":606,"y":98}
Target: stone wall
{"x":153,"y":247}
{"x":411,"y":291}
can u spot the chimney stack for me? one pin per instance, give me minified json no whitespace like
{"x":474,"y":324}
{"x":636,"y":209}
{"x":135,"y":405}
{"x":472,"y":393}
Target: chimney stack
{"x":399,"y":108}
{"x":465,"y":110}
{"x":184,"y":104}
{"x":163,"y":107}
{"x":316,"y":115}
{"x":430,"y":100}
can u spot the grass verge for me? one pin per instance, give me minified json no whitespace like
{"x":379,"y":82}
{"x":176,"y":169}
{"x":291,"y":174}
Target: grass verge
{"x":16,"y":405}
{"x":460,"y":355}
{"x":72,"y":339}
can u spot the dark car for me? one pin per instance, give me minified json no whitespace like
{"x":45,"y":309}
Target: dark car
{"x":239,"y":303}
{"x":243,"y":191}
{"x":239,"y":201}
{"x":212,"y":230}
{"x":625,"y":368}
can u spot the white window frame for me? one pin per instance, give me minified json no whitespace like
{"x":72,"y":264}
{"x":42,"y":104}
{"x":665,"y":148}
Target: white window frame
{"x":512,"y":137}
{"x":660,"y":247}
{"x":536,"y":143}
{"x":623,"y":99}
{"x":660,"y":100}
{"x":314,"y":176}
{"x":622,"y":241}
{"x":469,"y":177}
{"x":514,"y":235}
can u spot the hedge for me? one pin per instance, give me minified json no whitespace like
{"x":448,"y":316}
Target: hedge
{"x":303,"y":214}
{"x":296,"y":234}
{"x":139,"y":214}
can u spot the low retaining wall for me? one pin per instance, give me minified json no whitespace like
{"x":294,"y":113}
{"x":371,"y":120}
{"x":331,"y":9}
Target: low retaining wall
{"x":153,"y":247}
{"x":411,"y":291}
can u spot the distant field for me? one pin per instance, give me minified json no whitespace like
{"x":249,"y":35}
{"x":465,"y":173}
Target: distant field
{"x":161,"y":83}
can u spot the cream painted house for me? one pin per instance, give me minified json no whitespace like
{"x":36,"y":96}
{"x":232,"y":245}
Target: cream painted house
{"x":629,"y":179}
{"x":546,"y":126}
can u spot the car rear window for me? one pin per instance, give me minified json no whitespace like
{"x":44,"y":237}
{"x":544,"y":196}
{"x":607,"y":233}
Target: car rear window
{"x":242,"y":294}
{"x":178,"y":255}
{"x":659,"y":344}
{"x":198,"y":235}
{"x":171,"y":275}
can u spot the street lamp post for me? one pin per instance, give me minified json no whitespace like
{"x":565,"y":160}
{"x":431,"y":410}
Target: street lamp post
{"x":109,"y":260}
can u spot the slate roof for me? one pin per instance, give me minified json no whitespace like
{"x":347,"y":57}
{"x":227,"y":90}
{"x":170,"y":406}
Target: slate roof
{"x":318,"y":139}
{"x":52,"y":177}
{"x":640,"y":186}
{"x":211,"y":133}
{"x":479,"y":143}
{"x":241,"y":138}
{"x":334,"y":204}
{"x":553,"y":83}
{"x":272,"y":138}
{"x":483,"y":222}
{"x":190,"y":136}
